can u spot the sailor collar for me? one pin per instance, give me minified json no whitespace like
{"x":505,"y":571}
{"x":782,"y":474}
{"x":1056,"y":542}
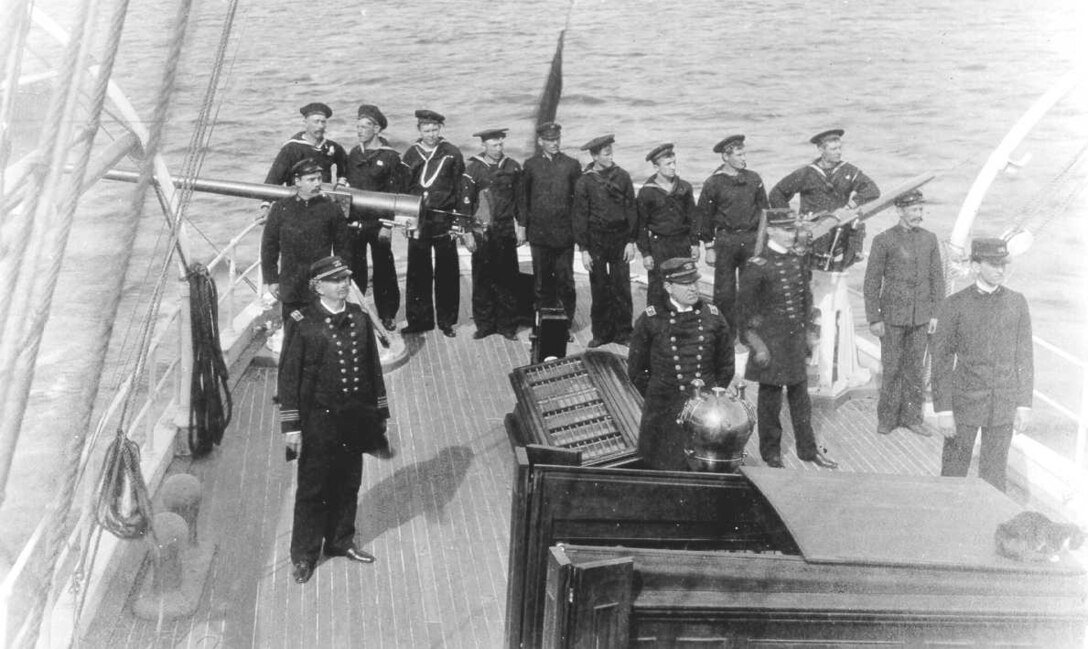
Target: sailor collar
{"x":654,"y":182}
{"x":484,"y":159}
{"x":298,"y":138}
{"x":815,"y":164}
{"x":740,"y":177}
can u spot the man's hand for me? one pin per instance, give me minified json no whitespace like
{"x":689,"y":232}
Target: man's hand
{"x":760,"y":356}
{"x":946,"y":424}
{"x":932,"y":328}
{"x":629,"y":253}
{"x":695,"y":251}
{"x":587,"y":260}
{"x":877,"y":329}
{"x":519,"y":232}
{"x":385,"y":234}
{"x":274,"y":289}
{"x":262,"y":213}
{"x":648,"y":262}
{"x":293,"y":442}
{"x":341,"y":183}
{"x":1021,"y":420}
{"x":711,"y":256}
{"x":469,"y":241}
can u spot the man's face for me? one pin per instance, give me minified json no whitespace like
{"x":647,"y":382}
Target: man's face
{"x":603,"y":157}
{"x":551,"y":147}
{"x":683,"y":294}
{"x":831,"y":151}
{"x":493,"y":148}
{"x":911,"y":216}
{"x":308,"y":185}
{"x":429,"y":133}
{"x":735,"y":157}
{"x":784,"y":237}
{"x":315,"y":124}
{"x":334,"y":288}
{"x":366,"y":129}
{"x":666,"y":167}
{"x":992,"y":272}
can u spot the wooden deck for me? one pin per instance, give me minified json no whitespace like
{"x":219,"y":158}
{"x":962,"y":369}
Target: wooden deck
{"x":436,"y":515}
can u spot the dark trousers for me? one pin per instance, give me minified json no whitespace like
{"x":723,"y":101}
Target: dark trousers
{"x":662,"y":249}
{"x":993,"y":458}
{"x":610,"y":288}
{"x":419,"y":308}
{"x":902,"y":355}
{"x":768,"y":407}
{"x":553,"y":278}
{"x":386,"y":291}
{"x":327,"y":492}
{"x":494,"y":282}
{"x":732,"y":252}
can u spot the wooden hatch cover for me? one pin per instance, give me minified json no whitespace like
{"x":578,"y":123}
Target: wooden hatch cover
{"x":895,"y":520}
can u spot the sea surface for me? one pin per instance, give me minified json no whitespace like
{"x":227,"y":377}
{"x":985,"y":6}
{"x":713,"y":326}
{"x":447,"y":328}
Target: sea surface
{"x":924,"y":86}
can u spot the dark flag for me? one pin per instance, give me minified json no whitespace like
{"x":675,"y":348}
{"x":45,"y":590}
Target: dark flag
{"x":553,"y":88}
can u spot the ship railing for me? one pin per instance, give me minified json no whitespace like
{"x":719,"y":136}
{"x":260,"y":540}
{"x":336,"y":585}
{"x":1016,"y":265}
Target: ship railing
{"x":155,"y":426}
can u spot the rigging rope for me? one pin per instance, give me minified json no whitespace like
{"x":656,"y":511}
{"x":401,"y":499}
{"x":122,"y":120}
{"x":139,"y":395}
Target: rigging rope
{"x":208,"y":415}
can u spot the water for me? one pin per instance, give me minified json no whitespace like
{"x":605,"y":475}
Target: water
{"x":921,"y":86}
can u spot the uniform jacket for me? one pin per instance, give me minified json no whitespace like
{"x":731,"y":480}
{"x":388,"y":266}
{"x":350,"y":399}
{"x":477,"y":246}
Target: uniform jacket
{"x":502,"y":180}
{"x":604,"y":206}
{"x":547,"y":196}
{"x":822,"y":190}
{"x":775,"y":302}
{"x":983,"y":368}
{"x":664,"y":212}
{"x":729,"y":202}
{"x":326,"y":153}
{"x":296,"y":234}
{"x":332,"y":363}
{"x":375,"y":170}
{"x":904,"y":280}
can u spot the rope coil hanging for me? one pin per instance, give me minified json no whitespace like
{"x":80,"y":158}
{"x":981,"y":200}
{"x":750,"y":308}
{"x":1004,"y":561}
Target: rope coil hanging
{"x":211,"y":404}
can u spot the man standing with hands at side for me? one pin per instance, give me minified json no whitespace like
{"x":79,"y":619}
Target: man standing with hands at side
{"x":904,"y":283}
{"x":666,"y":209}
{"x":983,"y":367}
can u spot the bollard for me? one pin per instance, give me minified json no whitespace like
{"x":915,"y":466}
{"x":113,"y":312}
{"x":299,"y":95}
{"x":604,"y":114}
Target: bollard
{"x":171,"y":539}
{"x":181,"y":495}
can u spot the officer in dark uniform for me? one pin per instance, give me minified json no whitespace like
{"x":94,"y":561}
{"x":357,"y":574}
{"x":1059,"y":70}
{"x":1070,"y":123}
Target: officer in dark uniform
{"x":374,"y":166}
{"x":489,"y":190}
{"x":904,"y":283}
{"x":666,"y":209}
{"x":983,"y":367}
{"x":775,"y":304}
{"x":333,"y":408}
{"x":547,"y":198}
{"x":605,"y":227}
{"x":825,"y":185}
{"x":309,"y":143}
{"x":672,"y":345}
{"x":727,"y":220}
{"x":300,"y":230}
{"x":433,"y":172}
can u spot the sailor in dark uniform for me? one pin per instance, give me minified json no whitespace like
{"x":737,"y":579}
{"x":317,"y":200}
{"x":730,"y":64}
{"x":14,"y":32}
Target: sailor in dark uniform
{"x":333,"y":408}
{"x":727,"y":220}
{"x":309,"y":143}
{"x":489,"y":190}
{"x":673,"y":344}
{"x":433,"y":172}
{"x":666,"y":209}
{"x":825,"y":185}
{"x":775,"y":305}
{"x":547,"y":197}
{"x":605,"y":227}
{"x":373,"y":165}
{"x":300,"y":230}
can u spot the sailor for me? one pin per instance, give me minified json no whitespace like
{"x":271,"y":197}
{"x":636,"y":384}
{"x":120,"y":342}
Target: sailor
{"x":904,"y":283}
{"x":489,"y":190}
{"x":300,"y":230}
{"x":983,"y":367}
{"x":433,"y":169}
{"x":666,"y":208}
{"x":727,"y":220}
{"x":675,"y":343}
{"x":605,"y":227}
{"x":545,"y":219}
{"x":333,"y":408}
{"x":373,"y":165}
{"x":308,"y":143}
{"x":775,"y":316}
{"x":826,"y":185}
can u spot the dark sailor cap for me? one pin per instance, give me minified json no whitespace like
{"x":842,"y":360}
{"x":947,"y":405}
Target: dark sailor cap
{"x":781,"y":217}
{"x":306,"y":167}
{"x":989,"y":249}
{"x":598,"y":143}
{"x":679,"y":270}
{"x":315,"y":107}
{"x":729,"y":141}
{"x":549,"y":130}
{"x":491,"y":133}
{"x":374,"y":113}
{"x":430,"y":117}
{"x":329,"y":268}
{"x":912,"y":197}
{"x":819,"y":138}
{"x":660,"y":151}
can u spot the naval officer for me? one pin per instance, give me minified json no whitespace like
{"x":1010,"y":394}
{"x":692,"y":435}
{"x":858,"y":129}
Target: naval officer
{"x":666,"y":208}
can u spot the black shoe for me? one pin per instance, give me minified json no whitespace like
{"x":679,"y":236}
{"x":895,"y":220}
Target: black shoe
{"x":416,"y":329}
{"x":919,"y":430}
{"x":822,"y":460}
{"x":623,"y":340}
{"x":383,"y":451}
{"x":448,"y":331}
{"x":880,"y":430}
{"x":510,"y":335}
{"x":302,"y":571}
{"x":482,"y":333}
{"x":596,"y":342}
{"x":390,"y":324}
{"x":774,"y":463}
{"x":354,"y":554}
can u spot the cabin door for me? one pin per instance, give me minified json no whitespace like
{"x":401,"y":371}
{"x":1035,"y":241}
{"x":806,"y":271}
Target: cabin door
{"x":588,"y":605}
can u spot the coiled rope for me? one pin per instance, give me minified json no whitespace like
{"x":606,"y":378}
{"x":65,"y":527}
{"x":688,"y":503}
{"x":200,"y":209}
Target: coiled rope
{"x":211,"y":404}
